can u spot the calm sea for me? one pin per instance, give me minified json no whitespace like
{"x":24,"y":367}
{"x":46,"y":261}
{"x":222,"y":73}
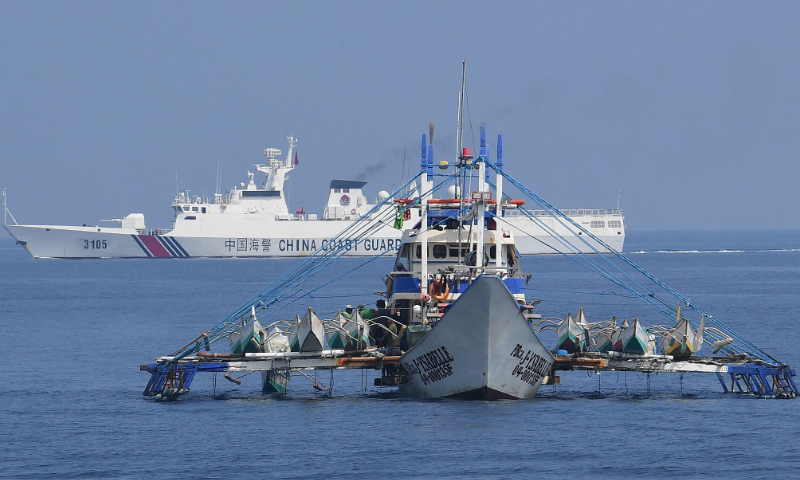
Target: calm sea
{"x":75,"y":332}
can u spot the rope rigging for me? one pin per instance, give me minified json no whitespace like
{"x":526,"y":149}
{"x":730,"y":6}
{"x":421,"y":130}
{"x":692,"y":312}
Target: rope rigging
{"x":290,"y":287}
{"x":646,"y":294}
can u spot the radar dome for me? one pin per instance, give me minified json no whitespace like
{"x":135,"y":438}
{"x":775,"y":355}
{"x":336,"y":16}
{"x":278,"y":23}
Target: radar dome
{"x":453,"y":191}
{"x":383,"y":195}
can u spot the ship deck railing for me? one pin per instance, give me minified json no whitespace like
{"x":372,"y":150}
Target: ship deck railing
{"x":572,"y":212}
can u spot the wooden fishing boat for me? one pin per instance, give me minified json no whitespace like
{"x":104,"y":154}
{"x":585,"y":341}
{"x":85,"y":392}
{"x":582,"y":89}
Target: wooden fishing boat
{"x":310,"y":333}
{"x":636,"y":340}
{"x":616,"y":337}
{"x":247,"y":339}
{"x":682,"y":341}
{"x":336,"y":332}
{"x":572,"y":334}
{"x":603,"y":337}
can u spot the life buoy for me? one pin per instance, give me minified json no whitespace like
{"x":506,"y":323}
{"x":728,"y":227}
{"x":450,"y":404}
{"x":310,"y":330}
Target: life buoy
{"x":353,"y":211}
{"x":444,"y":294}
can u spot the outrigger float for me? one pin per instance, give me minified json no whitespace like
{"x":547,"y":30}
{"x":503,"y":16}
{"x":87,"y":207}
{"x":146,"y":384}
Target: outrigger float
{"x":456,"y":321}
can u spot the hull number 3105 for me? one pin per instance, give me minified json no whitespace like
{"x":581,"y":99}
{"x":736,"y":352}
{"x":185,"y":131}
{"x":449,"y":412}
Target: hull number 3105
{"x":95,"y":244}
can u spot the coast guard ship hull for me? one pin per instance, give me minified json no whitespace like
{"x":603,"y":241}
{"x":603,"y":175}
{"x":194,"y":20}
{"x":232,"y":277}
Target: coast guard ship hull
{"x":303,"y":238}
{"x":44,"y":241}
{"x":255,"y":221}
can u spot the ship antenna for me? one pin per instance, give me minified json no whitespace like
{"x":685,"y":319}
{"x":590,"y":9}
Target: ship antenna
{"x":619,"y":194}
{"x":219,"y":175}
{"x":403,"y":170}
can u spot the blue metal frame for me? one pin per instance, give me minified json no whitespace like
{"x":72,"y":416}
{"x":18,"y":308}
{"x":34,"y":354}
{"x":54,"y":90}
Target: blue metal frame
{"x":761,"y":380}
{"x":165,"y":376}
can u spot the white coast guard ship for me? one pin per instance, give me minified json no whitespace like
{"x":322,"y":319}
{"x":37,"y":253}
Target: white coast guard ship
{"x":254,"y":221}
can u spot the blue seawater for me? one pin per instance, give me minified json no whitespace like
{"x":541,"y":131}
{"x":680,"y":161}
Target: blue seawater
{"x":75,"y":332}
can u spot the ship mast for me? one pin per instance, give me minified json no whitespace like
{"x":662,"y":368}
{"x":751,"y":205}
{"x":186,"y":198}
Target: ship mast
{"x":425,"y":189}
{"x":498,"y":260}
{"x":481,"y":200}
{"x":460,"y":153}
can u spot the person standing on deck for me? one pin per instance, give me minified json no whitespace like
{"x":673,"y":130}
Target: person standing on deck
{"x":378,"y":320}
{"x":366,"y":313}
{"x":391,"y":338}
{"x":348,"y":311}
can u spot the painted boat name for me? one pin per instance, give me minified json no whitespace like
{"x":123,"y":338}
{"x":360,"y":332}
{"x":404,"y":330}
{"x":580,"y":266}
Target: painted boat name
{"x":431,"y":366}
{"x":531,"y":367}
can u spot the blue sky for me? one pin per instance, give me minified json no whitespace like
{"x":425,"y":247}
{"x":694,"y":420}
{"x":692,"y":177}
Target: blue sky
{"x":690,"y":108}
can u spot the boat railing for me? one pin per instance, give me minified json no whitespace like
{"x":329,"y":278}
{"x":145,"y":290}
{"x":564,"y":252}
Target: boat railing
{"x":572,"y":212}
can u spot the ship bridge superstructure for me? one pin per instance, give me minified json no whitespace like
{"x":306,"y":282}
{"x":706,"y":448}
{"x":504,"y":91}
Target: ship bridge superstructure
{"x":264,"y":201}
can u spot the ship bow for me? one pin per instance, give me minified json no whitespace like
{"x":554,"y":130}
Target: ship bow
{"x":483,"y":348}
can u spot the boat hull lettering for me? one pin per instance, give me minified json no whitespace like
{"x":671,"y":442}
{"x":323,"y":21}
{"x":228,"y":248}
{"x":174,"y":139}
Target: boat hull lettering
{"x":483,"y":347}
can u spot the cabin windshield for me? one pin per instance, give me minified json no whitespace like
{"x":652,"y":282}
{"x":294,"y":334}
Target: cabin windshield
{"x":402,"y":258}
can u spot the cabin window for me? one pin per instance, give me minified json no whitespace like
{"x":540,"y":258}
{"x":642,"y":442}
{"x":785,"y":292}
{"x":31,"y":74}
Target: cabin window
{"x":614,"y":224}
{"x":202,"y":209}
{"x":439,"y":251}
{"x":191,"y":217}
{"x":493,"y":252}
{"x":454,"y":252}
{"x":345,"y":190}
{"x":337,"y":190}
{"x":194,"y":209}
{"x":419,"y":251}
{"x":597,"y":224}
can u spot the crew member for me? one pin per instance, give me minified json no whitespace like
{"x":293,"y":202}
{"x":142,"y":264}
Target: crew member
{"x":379,"y":320}
{"x":437,"y":288}
{"x":366,"y":313}
{"x":348,"y":311}
{"x":391,"y":338}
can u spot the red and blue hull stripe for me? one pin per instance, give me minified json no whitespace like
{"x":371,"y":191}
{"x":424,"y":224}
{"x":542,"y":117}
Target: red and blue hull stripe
{"x":159,"y":246}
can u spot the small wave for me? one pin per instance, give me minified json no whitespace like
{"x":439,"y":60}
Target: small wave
{"x":723,"y":250}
